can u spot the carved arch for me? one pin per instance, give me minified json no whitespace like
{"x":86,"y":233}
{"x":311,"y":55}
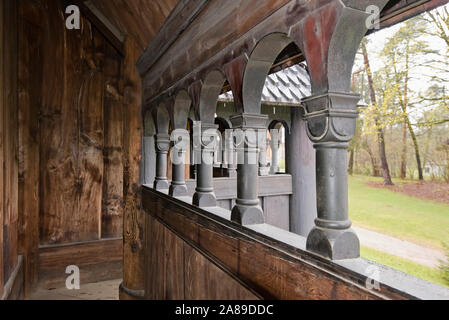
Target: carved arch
{"x":210,"y":90}
{"x":258,"y":66}
{"x":161,"y":118}
{"x":181,"y":109}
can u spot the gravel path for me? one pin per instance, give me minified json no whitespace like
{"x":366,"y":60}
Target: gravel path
{"x":399,"y":248}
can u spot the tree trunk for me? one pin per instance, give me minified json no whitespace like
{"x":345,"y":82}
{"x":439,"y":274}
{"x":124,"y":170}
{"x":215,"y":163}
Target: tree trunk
{"x":407,"y":120}
{"x":417,"y":153}
{"x":380,"y":134}
{"x":404,"y":151}
{"x":376,"y":172}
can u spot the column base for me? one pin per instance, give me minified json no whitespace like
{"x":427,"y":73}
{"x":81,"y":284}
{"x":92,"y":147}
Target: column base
{"x":274,"y":170}
{"x":177,"y":190}
{"x":247,"y":215}
{"x":204,"y":199}
{"x":264,"y":171}
{"x":161,"y":185}
{"x":334,"y":244}
{"x":130,"y":294}
{"x":232,"y":173}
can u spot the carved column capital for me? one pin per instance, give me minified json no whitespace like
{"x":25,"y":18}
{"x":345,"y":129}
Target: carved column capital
{"x":249,"y":121}
{"x":162,"y":143}
{"x":209,"y":137}
{"x":331,"y":117}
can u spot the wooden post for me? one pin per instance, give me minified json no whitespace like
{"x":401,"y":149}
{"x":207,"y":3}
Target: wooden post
{"x":132,"y":286}
{"x":2,"y":282}
{"x":9,"y":141}
{"x":112,"y":209}
{"x":30,"y":93}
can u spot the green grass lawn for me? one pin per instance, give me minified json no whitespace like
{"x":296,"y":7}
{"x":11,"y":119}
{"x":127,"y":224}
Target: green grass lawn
{"x":420,"y":221}
{"x":417,"y":270}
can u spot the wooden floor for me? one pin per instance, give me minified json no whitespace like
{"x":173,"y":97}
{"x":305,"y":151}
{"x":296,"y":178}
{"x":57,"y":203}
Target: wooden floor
{"x":106,"y":290}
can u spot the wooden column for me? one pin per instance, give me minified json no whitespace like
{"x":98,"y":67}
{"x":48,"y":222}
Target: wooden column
{"x":204,"y":193}
{"x":274,"y":144}
{"x":132,"y":286}
{"x":247,"y":209}
{"x":30,"y":97}
{"x":2,"y":154}
{"x":112,"y":201}
{"x":301,"y":165}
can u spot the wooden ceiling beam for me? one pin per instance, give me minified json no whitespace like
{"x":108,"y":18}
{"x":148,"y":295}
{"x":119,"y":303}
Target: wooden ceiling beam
{"x":102,"y":23}
{"x":406,"y":9}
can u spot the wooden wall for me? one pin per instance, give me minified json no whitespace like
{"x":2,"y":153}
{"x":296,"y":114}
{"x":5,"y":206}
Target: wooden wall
{"x":9,"y":214}
{"x":175,"y":270}
{"x":70,"y":132}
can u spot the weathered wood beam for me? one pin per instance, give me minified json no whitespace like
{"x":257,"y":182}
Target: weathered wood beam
{"x":404,"y":10}
{"x":283,"y":64}
{"x":101,"y":22}
{"x":98,"y":261}
{"x":132,"y":286}
{"x":2,"y":153}
{"x":179,"y":19}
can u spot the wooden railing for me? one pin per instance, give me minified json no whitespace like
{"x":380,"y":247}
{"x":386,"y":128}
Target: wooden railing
{"x":191,"y":253}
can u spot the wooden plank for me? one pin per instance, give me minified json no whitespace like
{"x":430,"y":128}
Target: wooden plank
{"x":138,"y":19}
{"x":112,"y":208}
{"x":189,"y":52}
{"x":223,"y":247}
{"x":13,"y":289}
{"x":60,"y":185}
{"x":102,"y":23}
{"x":174,"y":266}
{"x":270,"y":267}
{"x":179,"y":19}
{"x":205,"y":281}
{"x":133,"y":228}
{"x":2,"y":145}
{"x":155,"y":268}
{"x":91,"y":136}
{"x":10,"y":140}
{"x":30,"y":75}
{"x":187,"y":227}
{"x":405,"y":9}
{"x":98,"y":261}
{"x":71,"y":130}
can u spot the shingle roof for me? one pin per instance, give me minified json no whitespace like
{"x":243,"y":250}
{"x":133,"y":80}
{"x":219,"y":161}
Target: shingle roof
{"x":285,"y":87}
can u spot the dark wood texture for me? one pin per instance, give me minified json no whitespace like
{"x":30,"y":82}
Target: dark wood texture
{"x":175,"y":270}
{"x":112,"y":208}
{"x":133,"y":220}
{"x":30,"y":99}
{"x":71,"y":128}
{"x":178,"y":20}
{"x":2,"y":130}
{"x":70,"y":133}
{"x":98,"y":261}
{"x":14,"y":288}
{"x":139,"y":19}
{"x":9,"y":213}
{"x":239,"y":258}
{"x":101,"y":22}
